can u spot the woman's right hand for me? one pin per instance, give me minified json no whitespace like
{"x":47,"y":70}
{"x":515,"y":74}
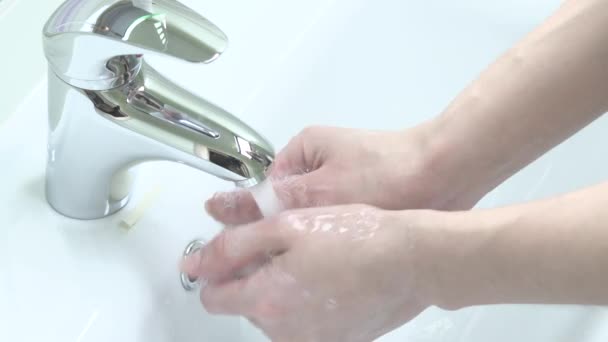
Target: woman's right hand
{"x":324,"y":166}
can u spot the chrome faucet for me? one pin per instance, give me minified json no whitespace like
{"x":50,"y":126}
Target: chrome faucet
{"x":109,"y":110}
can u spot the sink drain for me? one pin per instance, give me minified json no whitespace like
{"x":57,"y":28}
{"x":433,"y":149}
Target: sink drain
{"x":187,"y":283}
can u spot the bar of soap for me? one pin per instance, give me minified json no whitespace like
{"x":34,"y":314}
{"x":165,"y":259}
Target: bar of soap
{"x":149,"y":198}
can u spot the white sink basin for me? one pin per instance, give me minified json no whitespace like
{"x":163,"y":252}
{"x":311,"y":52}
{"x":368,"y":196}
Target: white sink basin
{"x":355,"y":63}
{"x":71,"y":280}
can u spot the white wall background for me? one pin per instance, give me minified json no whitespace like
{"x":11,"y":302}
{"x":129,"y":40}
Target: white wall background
{"x":22,"y":64}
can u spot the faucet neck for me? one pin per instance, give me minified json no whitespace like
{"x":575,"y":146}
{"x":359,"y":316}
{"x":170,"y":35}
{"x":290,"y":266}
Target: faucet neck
{"x":97,"y":136}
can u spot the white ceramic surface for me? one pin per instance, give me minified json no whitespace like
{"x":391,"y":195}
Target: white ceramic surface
{"x":381,"y":64}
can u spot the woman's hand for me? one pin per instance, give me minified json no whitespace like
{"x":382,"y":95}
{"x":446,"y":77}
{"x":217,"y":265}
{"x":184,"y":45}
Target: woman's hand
{"x":515,"y":111}
{"x":334,"y":274}
{"x":353,"y":273}
{"x":333,"y":166}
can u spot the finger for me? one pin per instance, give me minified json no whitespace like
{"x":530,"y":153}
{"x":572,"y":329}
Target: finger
{"x":304,"y":191}
{"x":299,"y":158}
{"x":299,"y":191}
{"x":190,"y":264}
{"x":233,"y":208}
{"x":235,"y":251}
{"x":249,"y":297}
{"x":301,"y":155}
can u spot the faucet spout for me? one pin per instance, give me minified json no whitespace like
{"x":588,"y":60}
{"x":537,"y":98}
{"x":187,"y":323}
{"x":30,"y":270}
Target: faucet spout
{"x":99,"y":129}
{"x":96,"y":136}
{"x":221,"y":144}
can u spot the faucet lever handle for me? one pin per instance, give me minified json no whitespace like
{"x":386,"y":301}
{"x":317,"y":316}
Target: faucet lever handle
{"x":81,"y":37}
{"x":164,"y":26}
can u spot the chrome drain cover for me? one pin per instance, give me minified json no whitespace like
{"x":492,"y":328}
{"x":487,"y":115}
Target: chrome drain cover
{"x":187,"y":283}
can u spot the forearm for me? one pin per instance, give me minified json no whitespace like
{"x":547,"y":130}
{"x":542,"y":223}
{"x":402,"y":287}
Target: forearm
{"x":543,"y":90}
{"x":553,"y":251}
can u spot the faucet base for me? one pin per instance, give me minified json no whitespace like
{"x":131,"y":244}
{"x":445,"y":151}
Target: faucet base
{"x":111,"y":209}
{"x":114,"y":207}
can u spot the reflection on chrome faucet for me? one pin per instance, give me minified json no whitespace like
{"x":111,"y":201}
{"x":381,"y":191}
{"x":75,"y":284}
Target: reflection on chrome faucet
{"x":109,"y":110}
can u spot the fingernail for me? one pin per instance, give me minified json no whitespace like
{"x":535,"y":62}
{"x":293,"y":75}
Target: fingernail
{"x":191,"y":265}
{"x":207,"y":206}
{"x":218,"y":202}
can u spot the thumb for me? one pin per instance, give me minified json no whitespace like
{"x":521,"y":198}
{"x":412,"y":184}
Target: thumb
{"x":296,"y":178}
{"x":303,"y":154}
{"x":235,"y":251}
{"x":293,"y":192}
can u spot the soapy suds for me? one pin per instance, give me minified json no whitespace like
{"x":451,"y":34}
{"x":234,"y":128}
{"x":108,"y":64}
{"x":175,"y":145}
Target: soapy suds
{"x":268,"y":203}
{"x":296,"y":193}
{"x":358,"y":226}
{"x":291,"y":190}
{"x":362,"y":225}
{"x":229,"y":199}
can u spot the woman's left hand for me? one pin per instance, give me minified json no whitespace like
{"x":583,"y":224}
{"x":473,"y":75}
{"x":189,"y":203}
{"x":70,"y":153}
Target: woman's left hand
{"x":326,"y":274}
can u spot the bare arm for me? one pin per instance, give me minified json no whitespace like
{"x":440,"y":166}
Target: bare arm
{"x":333,"y":266}
{"x":539,"y":93}
{"x":543,"y":90}
{"x":553,"y":252}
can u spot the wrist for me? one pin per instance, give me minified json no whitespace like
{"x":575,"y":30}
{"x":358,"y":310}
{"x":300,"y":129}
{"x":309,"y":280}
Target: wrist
{"x":460,"y":168}
{"x":451,"y":258}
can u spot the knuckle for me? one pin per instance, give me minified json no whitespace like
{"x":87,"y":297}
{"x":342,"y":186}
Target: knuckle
{"x":311,"y":131}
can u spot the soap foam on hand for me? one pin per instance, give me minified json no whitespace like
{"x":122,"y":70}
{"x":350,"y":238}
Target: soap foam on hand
{"x":266,"y":198}
{"x":269,"y":205}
